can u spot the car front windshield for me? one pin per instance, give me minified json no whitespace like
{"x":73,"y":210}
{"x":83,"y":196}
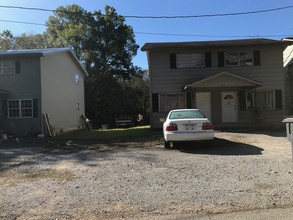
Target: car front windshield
{"x":186,"y":114}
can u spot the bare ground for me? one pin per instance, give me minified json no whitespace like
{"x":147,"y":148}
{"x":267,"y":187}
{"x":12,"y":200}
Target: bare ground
{"x":141,"y":179}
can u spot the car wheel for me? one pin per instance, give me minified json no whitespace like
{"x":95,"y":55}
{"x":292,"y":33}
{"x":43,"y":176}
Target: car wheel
{"x":167,"y":144}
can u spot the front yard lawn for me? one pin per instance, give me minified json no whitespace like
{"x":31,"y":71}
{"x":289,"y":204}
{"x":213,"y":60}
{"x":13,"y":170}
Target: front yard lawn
{"x":112,"y":135}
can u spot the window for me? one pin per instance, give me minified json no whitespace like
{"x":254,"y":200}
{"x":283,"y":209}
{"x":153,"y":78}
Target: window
{"x":186,"y":114}
{"x":77,"y":106}
{"x":265,"y":100}
{"x":13,"y":109}
{"x":249,"y":100}
{"x":245,"y":59}
{"x":246,"y":100}
{"x":239,"y":59}
{"x":20,"y":108}
{"x":171,"y":101}
{"x":190,"y":60}
{"x":7,"y":67}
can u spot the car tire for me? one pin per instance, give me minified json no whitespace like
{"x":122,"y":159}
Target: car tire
{"x":167,"y":144}
{"x":209,"y":143}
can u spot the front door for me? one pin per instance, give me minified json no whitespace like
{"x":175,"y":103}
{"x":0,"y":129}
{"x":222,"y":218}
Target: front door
{"x":229,"y":107}
{"x":203,"y":102}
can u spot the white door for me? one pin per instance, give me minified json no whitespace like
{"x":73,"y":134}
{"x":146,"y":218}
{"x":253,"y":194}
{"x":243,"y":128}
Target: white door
{"x":203,"y":102}
{"x":229,"y":107}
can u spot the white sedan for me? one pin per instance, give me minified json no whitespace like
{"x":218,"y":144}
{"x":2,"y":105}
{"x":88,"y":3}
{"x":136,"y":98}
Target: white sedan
{"x":187,"y":125}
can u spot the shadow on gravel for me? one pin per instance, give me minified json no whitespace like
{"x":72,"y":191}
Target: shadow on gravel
{"x":14,"y":155}
{"x":219,"y":147}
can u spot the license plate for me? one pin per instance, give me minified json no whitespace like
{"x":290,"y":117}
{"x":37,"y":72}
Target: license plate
{"x":190,"y":127}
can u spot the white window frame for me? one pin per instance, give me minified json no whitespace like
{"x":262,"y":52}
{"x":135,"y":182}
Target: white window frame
{"x":20,"y":108}
{"x":269,"y":106}
{"x":181,"y":105}
{"x":186,"y":60}
{"x":239,"y":61}
{"x":4,"y":65}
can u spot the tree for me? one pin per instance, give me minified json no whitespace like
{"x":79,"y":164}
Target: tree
{"x":32,"y":41}
{"x":6,"y":40}
{"x":24,"y":41}
{"x":102,"y":41}
{"x":68,"y":28}
{"x":115,"y":97}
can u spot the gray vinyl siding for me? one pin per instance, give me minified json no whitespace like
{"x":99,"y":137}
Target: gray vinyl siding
{"x":270,"y":73}
{"x":25,"y":85}
{"x":164,"y":79}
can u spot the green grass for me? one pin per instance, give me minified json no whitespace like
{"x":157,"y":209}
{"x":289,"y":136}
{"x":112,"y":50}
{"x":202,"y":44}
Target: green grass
{"x":109,"y":135}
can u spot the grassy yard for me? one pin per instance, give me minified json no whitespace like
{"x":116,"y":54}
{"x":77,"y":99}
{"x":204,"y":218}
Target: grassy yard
{"x":112,"y":135}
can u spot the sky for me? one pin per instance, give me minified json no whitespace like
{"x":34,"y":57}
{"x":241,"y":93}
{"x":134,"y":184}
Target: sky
{"x":273,"y":25}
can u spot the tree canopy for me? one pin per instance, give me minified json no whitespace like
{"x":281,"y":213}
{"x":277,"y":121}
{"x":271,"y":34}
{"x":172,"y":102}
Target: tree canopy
{"x":25,"y":41}
{"x":102,"y":41}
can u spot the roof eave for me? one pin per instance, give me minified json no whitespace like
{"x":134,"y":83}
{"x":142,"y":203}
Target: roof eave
{"x":207,"y":44}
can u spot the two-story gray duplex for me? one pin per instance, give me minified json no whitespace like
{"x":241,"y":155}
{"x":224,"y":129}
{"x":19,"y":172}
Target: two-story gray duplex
{"x":39,"y":83}
{"x":236,"y":83}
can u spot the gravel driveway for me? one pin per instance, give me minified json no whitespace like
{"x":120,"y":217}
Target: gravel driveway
{"x":240,"y":172}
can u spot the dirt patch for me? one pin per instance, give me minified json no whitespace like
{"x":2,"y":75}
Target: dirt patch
{"x":12,"y":177}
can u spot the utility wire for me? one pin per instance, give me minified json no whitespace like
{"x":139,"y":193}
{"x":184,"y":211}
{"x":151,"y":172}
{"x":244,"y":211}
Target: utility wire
{"x":166,"y":34}
{"x":22,"y":22}
{"x":164,"y":17}
{"x":156,"y":17}
{"x":26,"y":8}
{"x":201,"y":35}
{"x":211,"y":15}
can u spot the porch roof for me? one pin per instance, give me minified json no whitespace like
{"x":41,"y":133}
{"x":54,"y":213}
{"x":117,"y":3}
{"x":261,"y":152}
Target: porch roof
{"x":225,"y":79}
